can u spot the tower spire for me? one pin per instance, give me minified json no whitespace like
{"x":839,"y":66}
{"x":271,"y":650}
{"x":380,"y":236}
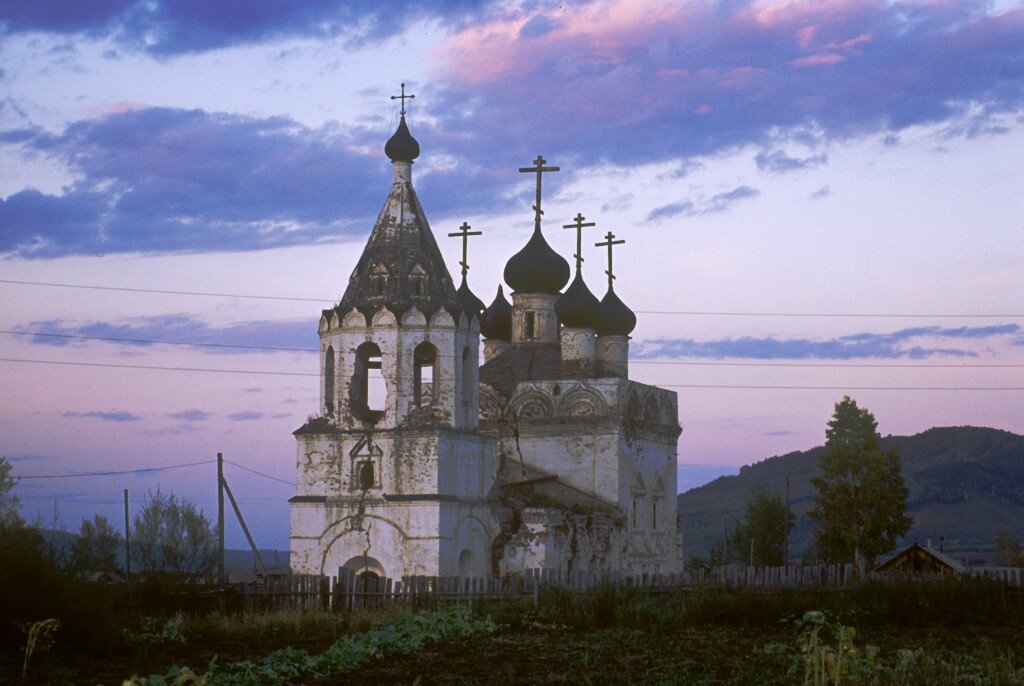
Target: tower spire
{"x":538,"y":169}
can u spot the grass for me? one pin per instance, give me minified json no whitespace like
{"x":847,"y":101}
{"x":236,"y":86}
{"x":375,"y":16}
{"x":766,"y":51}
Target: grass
{"x":967,"y":631}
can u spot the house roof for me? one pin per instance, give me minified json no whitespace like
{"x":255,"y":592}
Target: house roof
{"x":916,"y":549}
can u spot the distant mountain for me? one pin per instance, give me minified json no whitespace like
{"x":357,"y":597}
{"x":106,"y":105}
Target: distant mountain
{"x":965,"y":484}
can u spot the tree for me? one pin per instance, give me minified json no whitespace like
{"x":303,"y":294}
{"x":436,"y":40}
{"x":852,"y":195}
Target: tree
{"x":1008,"y":550}
{"x":97,"y":547}
{"x":8,"y":501}
{"x":766,"y":522}
{"x":862,"y":500}
{"x":173,"y":540}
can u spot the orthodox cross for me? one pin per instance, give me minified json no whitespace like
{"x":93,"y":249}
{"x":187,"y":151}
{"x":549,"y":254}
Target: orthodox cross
{"x":538,"y":169}
{"x":465,"y":233}
{"x":579,"y":225}
{"x":403,"y":97}
{"x":609,"y":242}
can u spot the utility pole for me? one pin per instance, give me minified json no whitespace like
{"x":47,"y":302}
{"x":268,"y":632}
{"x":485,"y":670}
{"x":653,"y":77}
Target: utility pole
{"x":220,"y":514}
{"x":751,"y":551}
{"x":127,"y":544}
{"x":785,"y":540}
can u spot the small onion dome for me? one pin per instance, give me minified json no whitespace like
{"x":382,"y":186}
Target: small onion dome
{"x":537,"y":268}
{"x":471,"y":304}
{"x":577,"y":306}
{"x":497,"y":322}
{"x":402,"y":147}
{"x":616,"y":319}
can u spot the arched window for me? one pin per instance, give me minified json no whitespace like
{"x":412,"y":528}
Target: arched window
{"x":369,"y":390}
{"x":424,"y":389}
{"x":329,"y":380}
{"x":466,"y":563}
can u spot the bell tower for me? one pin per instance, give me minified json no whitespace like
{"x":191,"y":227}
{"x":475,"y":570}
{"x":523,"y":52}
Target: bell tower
{"x":391,"y":473}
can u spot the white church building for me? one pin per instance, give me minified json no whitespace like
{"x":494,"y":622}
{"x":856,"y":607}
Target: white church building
{"x":423,"y":461}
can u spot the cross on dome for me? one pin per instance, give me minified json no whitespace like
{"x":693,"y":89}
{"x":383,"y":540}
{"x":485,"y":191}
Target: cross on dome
{"x":465,"y":233}
{"x":579,"y":225}
{"x":609,"y":242}
{"x":403,"y":97}
{"x":538,"y":169}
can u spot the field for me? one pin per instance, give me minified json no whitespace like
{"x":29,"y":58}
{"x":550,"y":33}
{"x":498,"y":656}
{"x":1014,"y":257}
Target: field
{"x":960,"y":631}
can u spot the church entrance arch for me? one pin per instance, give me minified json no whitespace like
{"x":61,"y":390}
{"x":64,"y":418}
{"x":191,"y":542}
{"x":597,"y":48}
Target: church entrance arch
{"x":366,"y":567}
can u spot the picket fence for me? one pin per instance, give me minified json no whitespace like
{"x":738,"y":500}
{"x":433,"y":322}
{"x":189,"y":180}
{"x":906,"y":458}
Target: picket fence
{"x":346,"y":591}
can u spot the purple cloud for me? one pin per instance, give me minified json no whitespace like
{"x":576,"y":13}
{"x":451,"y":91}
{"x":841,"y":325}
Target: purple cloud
{"x":247,"y":416}
{"x":241,"y":337}
{"x":192,"y":415}
{"x":716,"y":203}
{"x":633,"y":81}
{"x":161,"y":179}
{"x":822,"y":192}
{"x":169,"y":27}
{"x":112,"y":416}
{"x":779,"y":161}
{"x":856,"y":346}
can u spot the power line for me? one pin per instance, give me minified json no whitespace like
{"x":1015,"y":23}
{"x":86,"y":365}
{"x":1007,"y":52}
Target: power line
{"x":266,"y":476}
{"x":115,"y":473}
{"x":693,"y":313}
{"x":806,"y":388}
{"x":848,"y":388}
{"x":837,"y":365}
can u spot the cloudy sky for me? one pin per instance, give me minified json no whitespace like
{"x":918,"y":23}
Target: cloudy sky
{"x":818,"y":198}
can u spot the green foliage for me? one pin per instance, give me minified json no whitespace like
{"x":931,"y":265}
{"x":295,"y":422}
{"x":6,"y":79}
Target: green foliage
{"x":173,"y":541}
{"x":96,"y":548}
{"x":765,"y":523}
{"x":862,"y":500}
{"x":8,"y":501}
{"x":406,"y":635}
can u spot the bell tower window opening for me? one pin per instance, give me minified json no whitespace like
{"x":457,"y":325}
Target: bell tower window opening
{"x":378,"y":285}
{"x":329,"y":380}
{"x":530,"y":324}
{"x":424,"y":390}
{"x":418,"y":279}
{"x":369,"y":390}
{"x":655,"y":502}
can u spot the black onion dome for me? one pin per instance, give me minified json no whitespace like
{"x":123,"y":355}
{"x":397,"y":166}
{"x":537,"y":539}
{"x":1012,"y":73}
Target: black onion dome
{"x":616,"y":318}
{"x":497,"y":322}
{"x":537,"y":268}
{"x":402,"y":147}
{"x":577,"y":306}
{"x":470,"y":303}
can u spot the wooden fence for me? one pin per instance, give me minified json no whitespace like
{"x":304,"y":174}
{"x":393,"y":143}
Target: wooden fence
{"x":346,"y":591}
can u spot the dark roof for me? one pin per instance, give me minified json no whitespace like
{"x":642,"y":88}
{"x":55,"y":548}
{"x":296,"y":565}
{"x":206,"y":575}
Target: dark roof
{"x":497,"y":322}
{"x":537,"y":268}
{"x":616,"y":319}
{"x":578,"y":306}
{"x":402,"y":147}
{"x":470,"y":303}
{"x":401,"y":253}
{"x":527,"y":362}
{"x":917,"y":558}
{"x":533,"y":487}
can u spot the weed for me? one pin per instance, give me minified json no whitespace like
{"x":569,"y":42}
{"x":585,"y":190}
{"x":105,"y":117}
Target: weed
{"x":39,"y":639}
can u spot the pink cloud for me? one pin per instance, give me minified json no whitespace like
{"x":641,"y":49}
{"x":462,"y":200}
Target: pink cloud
{"x":815,"y":60}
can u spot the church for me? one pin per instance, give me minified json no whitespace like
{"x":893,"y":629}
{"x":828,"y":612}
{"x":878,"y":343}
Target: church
{"x":424,"y":461}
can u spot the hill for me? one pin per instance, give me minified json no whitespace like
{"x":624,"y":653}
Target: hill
{"x":965,"y":484}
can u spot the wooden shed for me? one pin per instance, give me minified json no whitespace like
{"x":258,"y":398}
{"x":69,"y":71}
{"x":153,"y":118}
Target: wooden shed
{"x":919,"y":560}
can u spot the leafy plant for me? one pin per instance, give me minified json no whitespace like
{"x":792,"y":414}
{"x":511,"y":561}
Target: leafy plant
{"x":39,"y":639}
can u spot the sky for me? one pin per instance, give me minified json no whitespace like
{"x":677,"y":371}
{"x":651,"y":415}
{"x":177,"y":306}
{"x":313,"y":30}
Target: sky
{"x":818,"y":198}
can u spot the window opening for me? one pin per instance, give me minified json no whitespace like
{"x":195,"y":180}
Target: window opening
{"x":425,"y":375}
{"x":419,"y":288}
{"x":369,"y":390}
{"x":531,"y":324}
{"x":378,"y":285}
{"x":467,"y":382}
{"x":329,"y":380}
{"x":636,"y":512}
{"x":654,"y":513}
{"x":366,"y":476}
